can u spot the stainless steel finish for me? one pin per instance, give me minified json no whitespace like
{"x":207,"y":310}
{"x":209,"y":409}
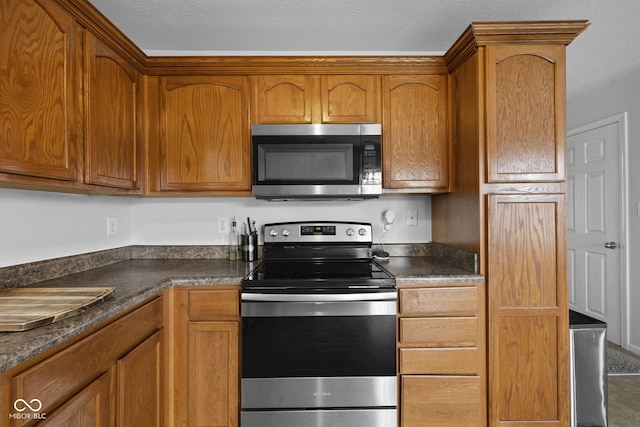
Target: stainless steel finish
{"x":588,"y":354}
{"x":318,"y":129}
{"x":369,"y":175}
{"x":319,"y":392}
{"x":275,"y":233}
{"x":318,"y":192}
{"x":610,"y":245}
{"x":321,"y":418}
{"x":363,"y":297}
{"x":307,"y":309}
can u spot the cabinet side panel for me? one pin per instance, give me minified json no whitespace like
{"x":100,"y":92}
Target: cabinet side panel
{"x":456,"y":216}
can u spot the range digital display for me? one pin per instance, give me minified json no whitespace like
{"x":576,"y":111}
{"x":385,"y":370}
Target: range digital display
{"x":318,"y":230}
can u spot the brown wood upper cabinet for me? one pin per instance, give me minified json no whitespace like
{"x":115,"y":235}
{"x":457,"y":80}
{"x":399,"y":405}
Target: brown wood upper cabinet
{"x":39,"y":83}
{"x":415,"y":136}
{"x":203,"y":135}
{"x":526,"y":113}
{"x":316,"y":99}
{"x":113,"y":137}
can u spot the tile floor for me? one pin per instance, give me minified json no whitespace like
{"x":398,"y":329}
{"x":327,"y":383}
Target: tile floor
{"x":624,"y":400}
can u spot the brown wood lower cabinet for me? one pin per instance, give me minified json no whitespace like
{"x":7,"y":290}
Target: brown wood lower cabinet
{"x":93,"y":406}
{"x":204,"y":357}
{"x":113,"y":376}
{"x":441,"y":355}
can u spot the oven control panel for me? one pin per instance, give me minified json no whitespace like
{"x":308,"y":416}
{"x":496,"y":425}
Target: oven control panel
{"x":318,"y":232}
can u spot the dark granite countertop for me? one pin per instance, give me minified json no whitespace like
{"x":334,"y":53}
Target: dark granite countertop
{"x":140,"y":279}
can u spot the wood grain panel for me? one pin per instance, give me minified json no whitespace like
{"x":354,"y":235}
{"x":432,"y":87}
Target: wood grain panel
{"x":140,"y":384}
{"x":443,"y":401}
{"x":415,"y":142}
{"x":38,"y":90}
{"x":456,"y":216}
{"x":525,"y":250}
{"x":527,"y":356}
{"x":526,"y":125}
{"x":439,"y":332}
{"x":439,"y":361}
{"x":350,"y":99}
{"x":204,"y":358}
{"x":528,"y":309}
{"x":283,"y":98}
{"x":94,"y":406}
{"x":112,"y":99}
{"x":205,"y":134}
{"x":213,"y":385}
{"x":213,"y":304}
{"x":458,"y":301}
{"x":57,"y":378}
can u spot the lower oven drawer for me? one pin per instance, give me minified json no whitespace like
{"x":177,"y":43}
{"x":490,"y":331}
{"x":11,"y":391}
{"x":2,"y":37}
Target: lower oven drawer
{"x":319,"y":392}
{"x":329,"y":418}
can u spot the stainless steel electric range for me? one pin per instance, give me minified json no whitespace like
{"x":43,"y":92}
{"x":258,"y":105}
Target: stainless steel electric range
{"x":318,"y":330}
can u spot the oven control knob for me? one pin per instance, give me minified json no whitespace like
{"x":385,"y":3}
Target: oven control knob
{"x":273,"y":232}
{"x":362,"y":232}
{"x":350,"y":232}
{"x":286,"y":232}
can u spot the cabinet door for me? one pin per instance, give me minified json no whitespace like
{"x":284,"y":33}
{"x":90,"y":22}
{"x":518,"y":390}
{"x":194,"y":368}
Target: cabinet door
{"x":112,"y":99}
{"x":38,"y":90}
{"x":204,"y":134}
{"x":283,"y":99}
{"x":526,"y":125}
{"x":528,"y":310}
{"x":140,"y":384}
{"x":213,"y":385}
{"x":93,"y":406}
{"x":350,"y":99}
{"x":415,"y":137}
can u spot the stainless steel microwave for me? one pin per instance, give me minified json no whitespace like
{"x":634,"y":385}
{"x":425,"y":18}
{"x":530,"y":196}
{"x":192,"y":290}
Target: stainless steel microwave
{"x":328,"y":161}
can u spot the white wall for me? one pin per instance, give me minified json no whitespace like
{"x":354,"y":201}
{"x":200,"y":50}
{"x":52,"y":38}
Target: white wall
{"x":35,"y":226}
{"x":194,"y":221}
{"x":619,"y":95}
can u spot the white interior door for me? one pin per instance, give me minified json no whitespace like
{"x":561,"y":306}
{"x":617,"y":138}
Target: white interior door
{"x":596,"y":200}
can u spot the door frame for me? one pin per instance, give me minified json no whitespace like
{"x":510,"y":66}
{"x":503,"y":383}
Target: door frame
{"x":621,"y":119}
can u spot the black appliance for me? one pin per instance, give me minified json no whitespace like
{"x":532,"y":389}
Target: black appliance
{"x":324,"y":161}
{"x":318,"y":330}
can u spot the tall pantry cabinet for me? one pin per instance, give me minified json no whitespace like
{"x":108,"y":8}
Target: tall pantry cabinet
{"x":508,"y":204}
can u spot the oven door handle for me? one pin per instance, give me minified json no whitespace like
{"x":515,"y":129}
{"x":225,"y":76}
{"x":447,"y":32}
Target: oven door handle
{"x":347,"y":297}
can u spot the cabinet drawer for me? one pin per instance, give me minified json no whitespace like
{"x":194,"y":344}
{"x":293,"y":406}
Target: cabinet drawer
{"x":57,"y":378}
{"x":441,"y":401}
{"x":439,"y":332}
{"x":439,"y":361}
{"x":209,"y":304}
{"x":459,"y":301}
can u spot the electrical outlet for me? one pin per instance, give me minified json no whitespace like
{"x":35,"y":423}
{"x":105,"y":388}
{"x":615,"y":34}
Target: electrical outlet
{"x":412,"y":217}
{"x":223,"y":225}
{"x":112,"y":226}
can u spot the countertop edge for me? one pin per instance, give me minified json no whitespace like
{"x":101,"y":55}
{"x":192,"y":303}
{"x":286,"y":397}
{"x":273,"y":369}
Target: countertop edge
{"x":110,"y":310}
{"x":409,"y":271}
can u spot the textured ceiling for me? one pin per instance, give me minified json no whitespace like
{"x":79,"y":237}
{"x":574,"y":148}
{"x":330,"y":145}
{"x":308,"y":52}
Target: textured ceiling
{"x":608,"y":48}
